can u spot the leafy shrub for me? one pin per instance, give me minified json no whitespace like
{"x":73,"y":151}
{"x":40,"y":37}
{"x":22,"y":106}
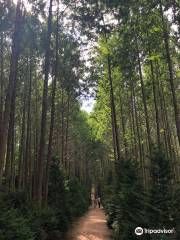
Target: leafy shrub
{"x":161,"y":193}
{"x":78,"y":199}
{"x":126,"y":203}
{"x":68,"y":196}
{"x":19,"y":220}
{"x":13,"y":226}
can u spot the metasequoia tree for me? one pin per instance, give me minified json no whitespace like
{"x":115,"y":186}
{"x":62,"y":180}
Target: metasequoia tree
{"x":11,"y":86}
{"x":42,"y":144}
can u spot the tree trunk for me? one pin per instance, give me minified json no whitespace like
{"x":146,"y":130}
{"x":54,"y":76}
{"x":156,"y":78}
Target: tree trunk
{"x":144,"y":103}
{"x":22,"y":146}
{"x":53,"y":95}
{"x":164,"y":113}
{"x":28,"y":133}
{"x":123,"y":126}
{"x":62,"y":126}
{"x":113,"y":112}
{"x":11,"y":87}
{"x":133,"y":123}
{"x":9,"y":167}
{"x":9,"y":152}
{"x":67,"y":132}
{"x":1,"y":77}
{"x":42,"y":144}
{"x":138,"y":133}
{"x":155,"y":104}
{"x":170,"y":68}
{"x":13,"y":167}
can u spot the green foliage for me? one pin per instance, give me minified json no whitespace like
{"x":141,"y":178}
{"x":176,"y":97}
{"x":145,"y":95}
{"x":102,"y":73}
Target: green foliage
{"x":13,"y":226}
{"x":78,"y":198}
{"x":127,"y":202}
{"x":19,"y":220}
{"x":161,"y":194}
{"x":45,"y":223}
{"x":16,"y":200}
{"x":128,"y":205}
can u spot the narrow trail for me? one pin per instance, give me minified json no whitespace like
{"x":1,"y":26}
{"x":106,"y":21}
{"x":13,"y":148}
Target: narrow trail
{"x":92,"y":226}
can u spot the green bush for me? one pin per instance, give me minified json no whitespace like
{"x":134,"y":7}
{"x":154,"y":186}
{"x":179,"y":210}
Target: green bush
{"x":160,"y":192}
{"x":19,"y":220}
{"x":125,"y":204}
{"x":78,"y":198}
{"x":128,"y":205}
{"x":68,"y":196}
{"x":13,"y":226}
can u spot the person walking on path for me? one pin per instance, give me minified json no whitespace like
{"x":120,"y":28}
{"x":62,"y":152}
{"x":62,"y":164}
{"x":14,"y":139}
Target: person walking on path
{"x":93,"y":201}
{"x":99,"y":202}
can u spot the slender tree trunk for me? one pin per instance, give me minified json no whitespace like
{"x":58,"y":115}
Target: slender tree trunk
{"x":42,"y":144}
{"x":144,"y":103}
{"x":9,"y":153}
{"x":135,"y":134}
{"x":13,"y":167}
{"x":67,"y":132}
{"x":22,"y":146}
{"x":138,"y":134}
{"x":155,"y":104}
{"x":62,"y":126}
{"x":170,"y":68}
{"x":11,"y":88}
{"x":169,"y":136}
{"x":28,"y":133}
{"x":168,"y":133}
{"x":9,"y":167}
{"x":123,"y":126}
{"x":53,"y":95}
{"x":36,"y":133}
{"x":113,"y":112}
{"x":1,"y":77}
{"x":31,"y":164}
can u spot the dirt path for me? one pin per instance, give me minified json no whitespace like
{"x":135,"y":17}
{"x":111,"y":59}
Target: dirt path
{"x":90,"y":227}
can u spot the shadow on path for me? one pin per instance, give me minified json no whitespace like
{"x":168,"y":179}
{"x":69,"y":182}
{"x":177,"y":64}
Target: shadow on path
{"x":92,"y":226}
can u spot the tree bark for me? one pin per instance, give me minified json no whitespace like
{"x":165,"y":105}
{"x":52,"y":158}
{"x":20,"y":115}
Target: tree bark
{"x":123,"y":126}
{"x":27,"y":162}
{"x":22,"y":146}
{"x":144,"y":103}
{"x":41,"y":157}
{"x":113,"y":112}
{"x":53,"y":95}
{"x":9,"y":167}
{"x":135,"y":133}
{"x":67,"y":132}
{"x":62,"y":126}
{"x":1,"y":77}
{"x":155,"y":104}
{"x":11,"y":87}
{"x":171,"y":75}
{"x":138,"y":133}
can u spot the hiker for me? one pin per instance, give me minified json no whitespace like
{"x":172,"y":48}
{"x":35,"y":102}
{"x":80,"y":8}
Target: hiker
{"x":93,"y":201}
{"x":99,"y":202}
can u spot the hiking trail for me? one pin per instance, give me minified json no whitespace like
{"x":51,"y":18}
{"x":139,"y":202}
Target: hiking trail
{"x":92,"y":226}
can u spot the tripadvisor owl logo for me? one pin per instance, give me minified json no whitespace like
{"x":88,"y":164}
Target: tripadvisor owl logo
{"x":139,"y":231}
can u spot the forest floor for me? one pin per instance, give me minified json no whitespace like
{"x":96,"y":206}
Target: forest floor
{"x":91,"y":226}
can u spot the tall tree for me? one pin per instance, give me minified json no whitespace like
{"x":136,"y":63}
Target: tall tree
{"x":170,"y":68}
{"x":11,"y":86}
{"x":53,"y":95}
{"x":42,"y":144}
